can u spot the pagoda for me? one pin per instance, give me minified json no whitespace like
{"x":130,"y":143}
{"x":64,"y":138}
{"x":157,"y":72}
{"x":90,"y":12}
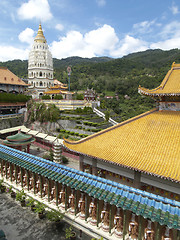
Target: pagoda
{"x":40,"y":65}
{"x":19,"y":141}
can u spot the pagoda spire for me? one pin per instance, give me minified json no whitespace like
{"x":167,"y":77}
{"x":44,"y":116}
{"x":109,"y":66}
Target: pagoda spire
{"x":40,"y":35}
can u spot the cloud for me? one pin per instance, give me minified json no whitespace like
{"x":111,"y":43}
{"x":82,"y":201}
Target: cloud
{"x":128,"y":45}
{"x":143,"y":27}
{"x":101,"y":3}
{"x":170,"y":30}
{"x":11,"y":53}
{"x":59,"y":27}
{"x":167,"y":44}
{"x":174,"y":9}
{"x":38,"y":9}
{"x":27,"y":36}
{"x":94,"y":43}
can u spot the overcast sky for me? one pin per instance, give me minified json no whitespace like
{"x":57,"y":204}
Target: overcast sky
{"x":88,"y":28}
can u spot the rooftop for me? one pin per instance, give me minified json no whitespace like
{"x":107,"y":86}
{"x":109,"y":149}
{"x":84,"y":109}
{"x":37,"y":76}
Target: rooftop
{"x":149,"y":143}
{"x":7,"y":77}
{"x":169,"y":86}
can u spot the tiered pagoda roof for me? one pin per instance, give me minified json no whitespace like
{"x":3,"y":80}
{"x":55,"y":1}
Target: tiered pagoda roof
{"x":19,"y":139}
{"x":147,"y":143}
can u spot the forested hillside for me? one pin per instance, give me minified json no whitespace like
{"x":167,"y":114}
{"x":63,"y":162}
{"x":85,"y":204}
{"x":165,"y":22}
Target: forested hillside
{"x":113,"y":76}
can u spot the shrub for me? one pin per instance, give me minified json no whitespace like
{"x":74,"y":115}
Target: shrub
{"x":62,"y":130}
{"x":58,"y":97}
{"x":46,"y":97}
{"x":64,"y":160}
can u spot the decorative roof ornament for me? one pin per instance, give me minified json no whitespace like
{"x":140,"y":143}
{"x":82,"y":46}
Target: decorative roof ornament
{"x":40,"y":35}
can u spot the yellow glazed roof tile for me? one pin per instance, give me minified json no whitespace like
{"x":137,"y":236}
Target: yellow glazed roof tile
{"x":7,"y":77}
{"x":169,"y":86}
{"x":149,"y":143}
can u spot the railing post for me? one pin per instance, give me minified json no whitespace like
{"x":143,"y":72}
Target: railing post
{"x":86,"y":207}
{"x":110,"y":219}
{"x":97,"y":213}
{"x":157,"y":237}
{"x":140,"y":229}
{"x":57,"y":195}
{"x":124,"y":224}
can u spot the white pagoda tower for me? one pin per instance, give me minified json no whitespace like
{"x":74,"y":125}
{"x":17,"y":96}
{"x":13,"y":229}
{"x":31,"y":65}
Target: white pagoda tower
{"x":40,"y":66}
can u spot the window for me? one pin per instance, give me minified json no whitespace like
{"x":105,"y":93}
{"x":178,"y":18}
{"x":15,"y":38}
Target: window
{"x":40,"y":74}
{"x":40,"y":84}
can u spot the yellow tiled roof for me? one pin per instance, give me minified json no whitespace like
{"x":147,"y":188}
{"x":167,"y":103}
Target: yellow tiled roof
{"x":7,"y":77}
{"x":169,"y":86}
{"x":149,"y":142}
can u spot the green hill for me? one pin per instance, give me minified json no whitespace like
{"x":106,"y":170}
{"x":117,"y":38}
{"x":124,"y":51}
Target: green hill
{"x":108,"y":76}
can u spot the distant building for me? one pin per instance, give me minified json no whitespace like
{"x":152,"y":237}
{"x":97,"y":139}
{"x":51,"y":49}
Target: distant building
{"x":90,"y":95}
{"x":10,"y":83}
{"x":59,"y":88}
{"x":40,"y":66}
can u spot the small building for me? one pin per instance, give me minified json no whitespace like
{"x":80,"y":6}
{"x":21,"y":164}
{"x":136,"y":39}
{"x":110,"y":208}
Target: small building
{"x":59,"y":88}
{"x":90,"y":95}
{"x":19,"y":141}
{"x":10,"y":83}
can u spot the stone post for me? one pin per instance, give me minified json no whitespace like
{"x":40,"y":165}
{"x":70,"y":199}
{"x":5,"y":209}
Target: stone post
{"x":16,"y":173}
{"x":140,"y":228}
{"x":75,"y":202}
{"x":110,"y":219}
{"x":11,"y":172}
{"x":34,"y":178}
{"x":21,"y":177}
{"x":41,"y":193}
{"x":6,"y":170}
{"x":97,"y":212}
{"x":157,"y":235}
{"x":27,"y":173}
{"x":178,"y":235}
{"x":86,"y":207}
{"x":124,"y":224}
{"x":48,"y":190}
{"x":57,"y":193}
{"x":1,"y":168}
{"x":66,"y":198}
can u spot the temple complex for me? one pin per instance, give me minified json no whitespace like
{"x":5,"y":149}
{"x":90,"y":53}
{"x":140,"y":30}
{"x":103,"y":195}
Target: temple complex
{"x":40,"y":66}
{"x":129,"y":178}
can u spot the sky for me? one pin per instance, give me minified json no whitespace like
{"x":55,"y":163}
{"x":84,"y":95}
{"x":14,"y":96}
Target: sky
{"x":88,"y":28}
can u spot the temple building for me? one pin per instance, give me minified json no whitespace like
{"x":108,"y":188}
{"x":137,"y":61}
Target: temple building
{"x":40,"y":66}
{"x":10,"y":83}
{"x":59,"y":88}
{"x":143,"y":152}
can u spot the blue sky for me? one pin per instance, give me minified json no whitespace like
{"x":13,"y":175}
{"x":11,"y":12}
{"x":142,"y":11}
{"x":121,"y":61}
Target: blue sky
{"x":88,"y":28}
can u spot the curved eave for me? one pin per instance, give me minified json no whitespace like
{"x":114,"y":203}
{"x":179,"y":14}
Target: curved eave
{"x":14,"y":144}
{"x":148,"y":92}
{"x":122,"y":165}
